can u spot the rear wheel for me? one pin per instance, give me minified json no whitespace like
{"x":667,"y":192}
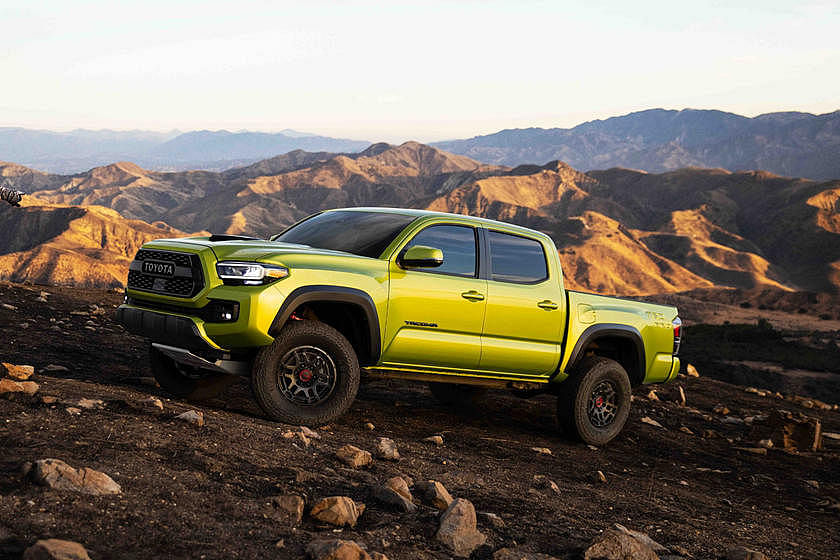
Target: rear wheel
{"x":185,"y":381}
{"x":595,"y":402}
{"x":452,"y":394}
{"x":309,"y":375}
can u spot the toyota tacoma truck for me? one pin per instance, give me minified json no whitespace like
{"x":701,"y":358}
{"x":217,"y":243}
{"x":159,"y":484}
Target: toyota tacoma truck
{"x":462,"y":303}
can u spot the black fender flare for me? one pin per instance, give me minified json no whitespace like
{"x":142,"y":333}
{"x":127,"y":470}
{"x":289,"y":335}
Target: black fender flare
{"x":595,"y":332}
{"x":338,"y":294}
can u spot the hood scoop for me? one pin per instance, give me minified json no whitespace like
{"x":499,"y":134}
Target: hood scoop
{"x":225,"y":237}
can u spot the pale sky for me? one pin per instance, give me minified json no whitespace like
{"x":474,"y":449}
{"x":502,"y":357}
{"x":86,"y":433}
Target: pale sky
{"x":395,"y":70}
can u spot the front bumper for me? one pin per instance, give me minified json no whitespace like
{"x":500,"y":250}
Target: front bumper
{"x":173,"y":330}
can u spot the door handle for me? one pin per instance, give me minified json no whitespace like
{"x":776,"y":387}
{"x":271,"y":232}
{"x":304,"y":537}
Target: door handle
{"x":472,"y":295}
{"x":548,"y":305}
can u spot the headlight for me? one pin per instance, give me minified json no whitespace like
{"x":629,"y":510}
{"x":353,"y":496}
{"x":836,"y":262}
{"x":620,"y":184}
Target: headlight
{"x":249,"y":273}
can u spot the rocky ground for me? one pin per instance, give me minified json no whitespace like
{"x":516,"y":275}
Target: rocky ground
{"x":698,"y":478}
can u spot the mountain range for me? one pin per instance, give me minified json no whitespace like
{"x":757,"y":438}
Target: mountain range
{"x":618,"y":231}
{"x":790,"y":144}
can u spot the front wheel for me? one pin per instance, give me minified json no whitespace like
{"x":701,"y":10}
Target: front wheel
{"x":309,"y":375}
{"x":595,"y":402}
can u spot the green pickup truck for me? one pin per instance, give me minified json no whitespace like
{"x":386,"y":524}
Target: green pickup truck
{"x":459,"y":302}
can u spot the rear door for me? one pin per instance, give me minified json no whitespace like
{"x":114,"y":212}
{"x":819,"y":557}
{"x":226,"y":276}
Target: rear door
{"x":435,"y":315}
{"x":525,"y":316}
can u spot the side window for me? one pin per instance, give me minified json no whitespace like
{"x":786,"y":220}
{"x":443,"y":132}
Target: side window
{"x":458,"y":244}
{"x":516,"y":259}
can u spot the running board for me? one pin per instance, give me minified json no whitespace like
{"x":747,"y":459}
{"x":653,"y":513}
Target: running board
{"x":445,"y":377}
{"x":187,"y":358}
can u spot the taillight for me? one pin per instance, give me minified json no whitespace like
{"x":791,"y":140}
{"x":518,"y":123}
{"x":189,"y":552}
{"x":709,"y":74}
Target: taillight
{"x":677,"y":325}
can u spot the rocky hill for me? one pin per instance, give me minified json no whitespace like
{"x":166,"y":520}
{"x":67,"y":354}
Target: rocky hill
{"x":618,"y":231}
{"x":656,"y":140}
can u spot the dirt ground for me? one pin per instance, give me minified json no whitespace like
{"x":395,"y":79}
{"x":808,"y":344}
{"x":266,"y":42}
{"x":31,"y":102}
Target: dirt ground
{"x":191,"y":492}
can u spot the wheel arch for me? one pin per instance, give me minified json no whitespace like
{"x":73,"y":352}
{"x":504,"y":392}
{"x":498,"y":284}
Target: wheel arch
{"x":343,"y":309}
{"x":622,"y":343}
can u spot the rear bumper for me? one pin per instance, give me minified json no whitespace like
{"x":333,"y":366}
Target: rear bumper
{"x":173,"y":330}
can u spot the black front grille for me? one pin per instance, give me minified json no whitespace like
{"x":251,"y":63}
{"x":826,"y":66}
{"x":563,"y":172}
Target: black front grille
{"x":187,"y":280}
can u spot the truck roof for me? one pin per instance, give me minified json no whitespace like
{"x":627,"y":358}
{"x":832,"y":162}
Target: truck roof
{"x":431,"y":213}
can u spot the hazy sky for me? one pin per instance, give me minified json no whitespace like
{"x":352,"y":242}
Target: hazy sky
{"x":407,"y":70}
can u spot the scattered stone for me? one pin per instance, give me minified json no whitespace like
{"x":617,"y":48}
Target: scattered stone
{"x":831,"y":436}
{"x":491,"y":519}
{"x":47,"y":399}
{"x":18,"y":373}
{"x":686,"y":430}
{"x":766,"y":443}
{"x":741,"y":553}
{"x":613,"y":544}
{"x":152,"y":403}
{"x":309,"y":432}
{"x":288,"y":509}
{"x":41,"y":299}
{"x":652,"y":395}
{"x":437,"y":440}
{"x":73,"y":411}
{"x":378,"y":556}
{"x":90,"y":403}
{"x":722,"y":410}
{"x":338,"y":510}
{"x":542,"y":450}
{"x":691,"y":371}
{"x":303,"y":439}
{"x":335,"y":549}
{"x":651,"y":422}
{"x":58,"y":475}
{"x":458,"y":528}
{"x":812,"y":484}
{"x":598,"y":476}
{"x":8,"y":306}
{"x":732,"y":420}
{"x":517,"y":554}
{"x":44,"y":294}
{"x":55,"y":549}
{"x":682,"y":396}
{"x":387,"y":449}
{"x":10,"y":386}
{"x":544,"y":483}
{"x":434,"y":493}
{"x":353,"y":457}
{"x":370,"y":427}
{"x":753,"y":450}
{"x":54,"y":368}
{"x":194,"y":417}
{"x":795,"y":430}
{"x":395,"y":492}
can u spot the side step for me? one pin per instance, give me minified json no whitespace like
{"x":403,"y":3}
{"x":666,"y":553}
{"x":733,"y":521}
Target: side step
{"x":444,"y":377}
{"x":187,"y":358}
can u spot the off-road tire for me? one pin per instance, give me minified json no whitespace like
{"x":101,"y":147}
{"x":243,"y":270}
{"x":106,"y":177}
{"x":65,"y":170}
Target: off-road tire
{"x":572,"y":404}
{"x":186,"y":383}
{"x":265,"y":374}
{"x":454,"y":394}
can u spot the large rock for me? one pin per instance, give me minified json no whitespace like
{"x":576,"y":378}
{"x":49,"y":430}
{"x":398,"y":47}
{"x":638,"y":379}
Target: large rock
{"x":434,"y":493}
{"x":58,"y":475}
{"x":55,"y":549}
{"x":516,"y":554}
{"x":741,"y":553}
{"x":458,"y":528}
{"x":338,"y":510}
{"x":395,"y":492}
{"x":387,"y":449}
{"x":11,"y":386}
{"x":288,"y":509}
{"x":194,"y":417}
{"x":353,"y":457}
{"x":795,"y":430}
{"x":335,"y":549}
{"x":639,"y":536}
{"x":613,"y":544}
{"x":19,"y":373}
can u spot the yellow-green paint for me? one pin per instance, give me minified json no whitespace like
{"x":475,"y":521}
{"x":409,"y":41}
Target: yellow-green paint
{"x":430,"y":322}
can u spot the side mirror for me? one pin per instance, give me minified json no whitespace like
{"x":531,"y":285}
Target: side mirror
{"x":421,"y":256}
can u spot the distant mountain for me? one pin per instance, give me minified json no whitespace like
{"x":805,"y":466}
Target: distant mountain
{"x":656,"y":140}
{"x":79,"y":150}
{"x":618,"y":231}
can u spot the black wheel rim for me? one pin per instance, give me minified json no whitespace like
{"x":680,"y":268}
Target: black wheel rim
{"x":306,"y":375}
{"x":603,"y":404}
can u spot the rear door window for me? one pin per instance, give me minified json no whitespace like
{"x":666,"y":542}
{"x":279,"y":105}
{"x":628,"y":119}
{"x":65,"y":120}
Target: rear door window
{"x":458,"y":244}
{"x":516,"y":259}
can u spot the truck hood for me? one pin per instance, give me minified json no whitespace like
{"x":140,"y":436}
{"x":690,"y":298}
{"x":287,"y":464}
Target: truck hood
{"x":246,"y":249}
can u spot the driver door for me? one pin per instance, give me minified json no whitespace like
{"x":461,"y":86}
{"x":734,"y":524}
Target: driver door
{"x":436,"y":315}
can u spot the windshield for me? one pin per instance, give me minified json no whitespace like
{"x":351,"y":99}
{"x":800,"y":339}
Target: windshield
{"x":361,"y":233}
